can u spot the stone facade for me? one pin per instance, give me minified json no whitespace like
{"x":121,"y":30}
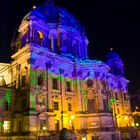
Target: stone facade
{"x":57,"y":86}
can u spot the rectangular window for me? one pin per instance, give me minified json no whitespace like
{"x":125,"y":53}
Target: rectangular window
{"x":125,"y":97}
{"x":116,"y":96}
{"x":69,"y":107}
{"x":23,"y":82}
{"x":105,"y":105}
{"x":40,"y":80}
{"x":24,"y":101}
{"x":49,"y":44}
{"x":55,"y":46}
{"x":68,"y":86}
{"x":118,"y":111}
{"x":6,"y":106}
{"x":95,"y":137}
{"x":54,"y":83}
{"x":19,"y":126}
{"x":64,"y":42}
{"x":91,"y":108}
{"x":113,"y":137}
{"x":55,"y":106}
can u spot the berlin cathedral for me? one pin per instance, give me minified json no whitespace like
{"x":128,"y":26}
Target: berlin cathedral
{"x":51,"y":84}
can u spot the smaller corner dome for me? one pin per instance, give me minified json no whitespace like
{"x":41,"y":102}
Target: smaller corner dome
{"x":112,"y":55}
{"x":54,"y":14}
{"x":115,"y":63}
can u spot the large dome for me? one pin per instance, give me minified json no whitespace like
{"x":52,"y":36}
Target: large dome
{"x":54,"y":14}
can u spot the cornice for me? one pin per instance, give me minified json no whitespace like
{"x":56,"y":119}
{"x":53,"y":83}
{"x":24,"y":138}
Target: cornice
{"x":25,"y":49}
{"x":23,"y":26}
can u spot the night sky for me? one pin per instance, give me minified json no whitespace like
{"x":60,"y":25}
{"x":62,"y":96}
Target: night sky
{"x":109,"y":24}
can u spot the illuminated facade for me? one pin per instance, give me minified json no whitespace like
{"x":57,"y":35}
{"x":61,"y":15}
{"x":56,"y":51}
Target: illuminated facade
{"x":56,"y":86}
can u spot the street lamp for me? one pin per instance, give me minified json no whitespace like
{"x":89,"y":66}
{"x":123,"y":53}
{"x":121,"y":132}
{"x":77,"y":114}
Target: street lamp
{"x":72,"y":117}
{"x":71,"y":121}
{"x":44,"y":129}
{"x":137,"y":124}
{"x":84,"y":138}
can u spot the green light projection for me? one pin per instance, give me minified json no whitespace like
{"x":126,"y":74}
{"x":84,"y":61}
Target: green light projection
{"x":111,"y":101}
{"x":83,"y":91}
{"x":33,"y":74}
{"x":1,"y":102}
{"x":32,"y":100}
{"x":1,"y":123}
{"x":8,"y":96}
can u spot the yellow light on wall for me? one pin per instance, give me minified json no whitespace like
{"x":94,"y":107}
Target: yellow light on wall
{"x":6,"y":126}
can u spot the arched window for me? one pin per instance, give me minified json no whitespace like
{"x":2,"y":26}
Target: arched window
{"x":54,"y":84}
{"x":40,"y":37}
{"x":68,"y":86}
{"x":55,"y":45}
{"x":89,"y":83}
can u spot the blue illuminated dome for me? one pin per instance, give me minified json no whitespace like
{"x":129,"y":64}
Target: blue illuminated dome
{"x":54,"y":29}
{"x":115,"y":63}
{"x":54,"y":14}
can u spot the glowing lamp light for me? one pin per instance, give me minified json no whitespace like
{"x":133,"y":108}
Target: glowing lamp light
{"x":44,"y":128}
{"x":34,"y":7}
{"x":137,"y":124}
{"x":84,"y":138}
{"x":72,"y":117}
{"x":137,"y":107}
{"x":126,"y":118}
{"x":111,"y":49}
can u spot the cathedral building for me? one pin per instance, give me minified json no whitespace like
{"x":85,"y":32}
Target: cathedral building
{"x":51,"y":83}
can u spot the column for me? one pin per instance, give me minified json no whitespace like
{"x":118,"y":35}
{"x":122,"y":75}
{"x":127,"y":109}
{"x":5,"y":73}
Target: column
{"x":52,"y":42}
{"x":50,"y":102}
{"x":79,"y":50}
{"x":83,"y":50}
{"x":86,"y":52}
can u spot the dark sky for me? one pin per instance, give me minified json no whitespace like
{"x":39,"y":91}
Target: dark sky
{"x":109,"y":24}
